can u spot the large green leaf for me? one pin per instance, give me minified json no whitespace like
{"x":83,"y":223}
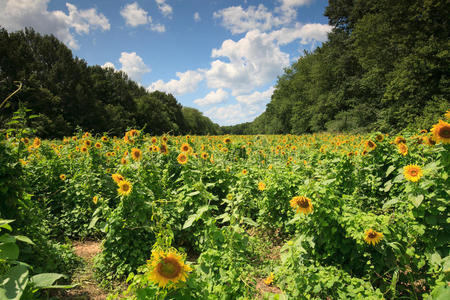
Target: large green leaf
{"x":14,"y":283}
{"x":9,"y":251}
{"x":46,"y":280}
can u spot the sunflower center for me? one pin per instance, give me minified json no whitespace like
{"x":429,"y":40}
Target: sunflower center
{"x":303,"y":203}
{"x":125,"y":187}
{"x":169,"y":268}
{"x":413,"y":173}
{"x":372,"y":235}
{"x":444,"y":132}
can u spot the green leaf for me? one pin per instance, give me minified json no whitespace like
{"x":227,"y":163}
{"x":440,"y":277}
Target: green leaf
{"x":93,"y":222}
{"x":14,"y":283}
{"x":189,"y":221}
{"x":389,"y":170}
{"x":6,"y":238}
{"x":389,"y":203}
{"x":9,"y":251}
{"x":193,"y":194}
{"x":416,"y":200}
{"x":45,"y":280}
{"x":24,"y":239}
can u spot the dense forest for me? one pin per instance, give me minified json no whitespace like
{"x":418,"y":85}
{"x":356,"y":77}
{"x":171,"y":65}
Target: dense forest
{"x":68,"y":94}
{"x":385,"y":66}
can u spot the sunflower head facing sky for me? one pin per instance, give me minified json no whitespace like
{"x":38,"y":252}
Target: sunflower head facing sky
{"x":412,"y":173}
{"x":182,"y":158}
{"x":136,"y":154}
{"x":301,"y":204}
{"x":372,"y":237}
{"x":167,"y":268}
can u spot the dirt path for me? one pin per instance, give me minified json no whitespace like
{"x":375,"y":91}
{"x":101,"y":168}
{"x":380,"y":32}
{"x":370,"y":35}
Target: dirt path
{"x":87,"y":286}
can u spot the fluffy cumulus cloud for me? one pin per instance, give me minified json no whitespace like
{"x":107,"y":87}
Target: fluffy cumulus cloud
{"x":109,"y":65}
{"x":133,"y":65}
{"x":164,"y":8}
{"x":213,"y":97}
{"x":256,"y":97}
{"x":239,"y":20}
{"x":18,"y":14}
{"x":187,"y":82}
{"x":253,"y":61}
{"x":306,"y":33}
{"x":135,"y":15}
{"x":233,"y":113}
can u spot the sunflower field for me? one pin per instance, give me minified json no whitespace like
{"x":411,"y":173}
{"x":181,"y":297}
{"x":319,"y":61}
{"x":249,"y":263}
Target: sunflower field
{"x":320,"y":216}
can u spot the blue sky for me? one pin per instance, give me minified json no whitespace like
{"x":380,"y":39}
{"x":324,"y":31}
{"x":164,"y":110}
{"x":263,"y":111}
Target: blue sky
{"x":221,"y":57}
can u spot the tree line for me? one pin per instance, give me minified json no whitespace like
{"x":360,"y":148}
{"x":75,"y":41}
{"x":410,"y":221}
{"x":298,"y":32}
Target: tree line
{"x":67,"y":94}
{"x":385,"y":67}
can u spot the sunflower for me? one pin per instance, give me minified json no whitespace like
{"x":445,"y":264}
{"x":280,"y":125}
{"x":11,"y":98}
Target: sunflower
{"x":204,"y":155}
{"x":447,"y":114}
{"x":164,"y":149}
{"x":136,"y":154}
{"x":370,"y":145}
{"x":98,"y":145}
{"x":154,"y":140}
{"x":402,"y":149}
{"x":441,"y":132}
{"x":185,"y":147}
{"x":95,"y":199}
{"x":87,"y":143}
{"x":125,"y":187}
{"x":84,"y":149}
{"x":104,"y":138}
{"x":123,"y":161}
{"x":379,"y":138}
{"x":372,"y":236}
{"x":301,"y":204}
{"x":261,"y":186}
{"x":244,"y":172}
{"x":269,"y":279}
{"x":430,"y":141}
{"x":37,"y":143}
{"x":117,"y":178}
{"x":167,"y":268}
{"x":62,"y":177}
{"x":399,"y":139}
{"x":227,"y":140}
{"x":182,"y":158}
{"x":412,"y":173}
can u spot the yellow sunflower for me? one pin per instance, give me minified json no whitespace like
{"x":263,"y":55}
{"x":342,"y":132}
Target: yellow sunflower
{"x":167,"y":268}
{"x":371,"y":145}
{"x":447,"y":114}
{"x":98,"y":145}
{"x":402,"y":149}
{"x":441,"y":132}
{"x":412,"y":173}
{"x":182,"y":158}
{"x":62,"y":177}
{"x":204,"y":155}
{"x":399,"y":139}
{"x":185,"y":147}
{"x":226,"y":140}
{"x":244,"y":172}
{"x":117,"y":178}
{"x":372,"y":237}
{"x":125,"y":187}
{"x":261,"y":186}
{"x":136,"y":154}
{"x":164,"y":149}
{"x":95,"y":199}
{"x":269,"y":279}
{"x":301,"y":204}
{"x":379,"y":137}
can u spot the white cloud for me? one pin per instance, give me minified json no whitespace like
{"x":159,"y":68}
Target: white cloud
{"x":288,"y":4}
{"x":18,"y":14}
{"x":197,"y":17}
{"x":108,"y":65}
{"x":133,"y":65}
{"x":255,"y":60}
{"x":134,"y":15}
{"x":256,"y":97}
{"x":233,"y":113}
{"x":164,"y":8}
{"x":187,"y":83}
{"x":306,"y":33}
{"x":213,"y":97}
{"x":239,"y":20}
